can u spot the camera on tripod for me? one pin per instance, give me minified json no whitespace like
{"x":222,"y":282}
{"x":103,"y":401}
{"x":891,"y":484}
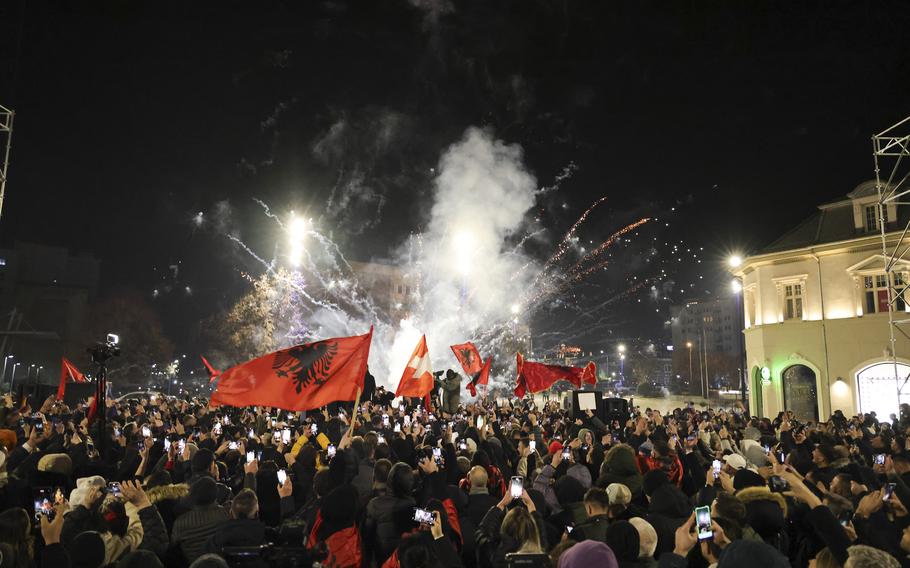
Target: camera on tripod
{"x":104,"y":350}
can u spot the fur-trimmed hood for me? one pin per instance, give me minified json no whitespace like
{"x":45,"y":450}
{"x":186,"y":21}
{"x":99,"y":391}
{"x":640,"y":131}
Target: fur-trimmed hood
{"x":750,"y":494}
{"x":165,"y":492}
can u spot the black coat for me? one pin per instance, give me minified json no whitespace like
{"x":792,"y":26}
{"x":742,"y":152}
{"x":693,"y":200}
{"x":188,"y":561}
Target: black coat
{"x":386,"y":519}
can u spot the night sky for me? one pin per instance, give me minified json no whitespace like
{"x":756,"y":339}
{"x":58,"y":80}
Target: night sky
{"x":730,"y":121}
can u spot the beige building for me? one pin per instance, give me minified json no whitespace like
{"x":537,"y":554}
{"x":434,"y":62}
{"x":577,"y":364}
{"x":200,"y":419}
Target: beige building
{"x":815,"y":308}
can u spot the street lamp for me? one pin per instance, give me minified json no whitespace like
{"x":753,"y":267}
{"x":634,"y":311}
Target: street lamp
{"x":689,"y":345}
{"x":5,"y":360}
{"x":735,"y":261}
{"x":12,"y":377}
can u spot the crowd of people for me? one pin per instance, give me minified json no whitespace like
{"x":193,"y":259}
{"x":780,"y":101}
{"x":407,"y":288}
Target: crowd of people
{"x":388,"y":483}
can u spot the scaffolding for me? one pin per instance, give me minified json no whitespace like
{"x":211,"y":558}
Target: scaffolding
{"x":891,"y":152}
{"x":6,"y":136}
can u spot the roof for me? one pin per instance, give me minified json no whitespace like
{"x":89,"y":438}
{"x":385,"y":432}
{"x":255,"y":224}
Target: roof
{"x":830,"y":223}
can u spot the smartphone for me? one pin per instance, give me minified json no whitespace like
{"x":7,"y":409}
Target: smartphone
{"x":276,"y":436}
{"x":89,"y":446}
{"x":167,"y":445}
{"x":462,"y":445}
{"x":516,"y":487}
{"x":767,"y":449}
{"x":380,"y":439}
{"x":480,"y":422}
{"x":703,"y":523}
{"x":566,"y":452}
{"x":250,"y":434}
{"x":44,"y":503}
{"x":424,"y":517}
{"x":114,"y":488}
{"x":39,"y":426}
{"x":716,"y":464}
{"x":397,"y":428}
{"x":407,"y":420}
{"x":282,"y":477}
{"x":533,"y":445}
{"x":226,"y":420}
{"x":889,"y":490}
{"x":217,"y":428}
{"x":250,"y":456}
{"x":880,"y":459}
{"x":314,"y":429}
{"x":146,"y":432}
{"x":232,"y":446}
{"x":286,"y":435}
{"x":141,"y":445}
{"x":778,"y":484}
{"x":116,"y":432}
{"x":385,"y":420}
{"x":437,"y":455}
{"x":782,"y":457}
{"x":181,"y":445}
{"x":330,"y":451}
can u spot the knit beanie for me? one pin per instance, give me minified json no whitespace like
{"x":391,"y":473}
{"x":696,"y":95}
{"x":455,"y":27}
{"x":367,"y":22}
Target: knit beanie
{"x":588,"y":553}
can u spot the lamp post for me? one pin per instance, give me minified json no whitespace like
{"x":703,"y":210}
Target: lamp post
{"x":734,"y":262}
{"x":689,"y":346}
{"x":621,"y":348}
{"x":12,"y":377}
{"x":5,"y":360}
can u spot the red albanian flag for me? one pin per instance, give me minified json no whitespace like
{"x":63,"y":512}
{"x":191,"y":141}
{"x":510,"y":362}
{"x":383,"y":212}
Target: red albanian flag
{"x":302,"y":377}
{"x":469,"y":358}
{"x":417,"y":379}
{"x":481,"y":378}
{"x":535,"y":377}
{"x":68,"y":371}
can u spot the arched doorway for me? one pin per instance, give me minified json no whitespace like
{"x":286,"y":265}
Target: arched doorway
{"x":800,"y":392}
{"x":876,"y":388}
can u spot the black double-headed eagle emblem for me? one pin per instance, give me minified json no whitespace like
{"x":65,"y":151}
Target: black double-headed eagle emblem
{"x":306,"y":364}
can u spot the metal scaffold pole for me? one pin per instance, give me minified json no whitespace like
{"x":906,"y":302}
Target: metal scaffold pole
{"x":6,"y":130}
{"x":889,"y":149}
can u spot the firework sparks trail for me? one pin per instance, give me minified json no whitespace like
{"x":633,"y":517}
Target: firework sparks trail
{"x":566,"y":242}
{"x":268,"y":211}
{"x":607,"y":243}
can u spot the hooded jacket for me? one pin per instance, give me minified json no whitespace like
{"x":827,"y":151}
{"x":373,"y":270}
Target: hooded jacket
{"x":619,"y":467}
{"x":668,"y":510}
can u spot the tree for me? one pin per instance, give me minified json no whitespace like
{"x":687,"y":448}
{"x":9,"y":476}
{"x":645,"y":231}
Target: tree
{"x":267,"y":318}
{"x":143,"y":343}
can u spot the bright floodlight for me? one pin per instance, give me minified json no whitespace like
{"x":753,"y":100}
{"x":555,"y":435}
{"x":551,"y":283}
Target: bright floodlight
{"x":736,"y":286}
{"x":621,"y":348}
{"x":735,"y":261}
{"x":516,"y":308}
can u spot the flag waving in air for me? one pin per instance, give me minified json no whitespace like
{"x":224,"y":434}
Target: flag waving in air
{"x":68,"y":371}
{"x":417,"y":379}
{"x":213,"y":373}
{"x":302,"y":377}
{"x":469,"y":358}
{"x":535,"y":377}
{"x":481,"y":378}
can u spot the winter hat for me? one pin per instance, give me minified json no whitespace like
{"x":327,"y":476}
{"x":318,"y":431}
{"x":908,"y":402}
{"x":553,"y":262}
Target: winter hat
{"x":647,"y":537}
{"x":8,"y":439}
{"x":83,"y":486}
{"x":555,"y":446}
{"x":203,"y":491}
{"x":619,"y":494}
{"x":622,"y":538}
{"x":581,"y":434}
{"x":652,"y":480}
{"x":588,"y":553}
{"x":87,"y":550}
{"x":735,"y":461}
{"x":209,"y":560}
{"x":471,"y":444}
{"x":140,"y":559}
{"x":56,"y":463}
{"x":568,"y":490}
{"x":751,"y":554}
{"x":747,"y":478}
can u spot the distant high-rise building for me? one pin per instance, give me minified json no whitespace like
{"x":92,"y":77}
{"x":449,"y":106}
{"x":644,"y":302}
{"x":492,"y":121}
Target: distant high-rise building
{"x":706,"y":343}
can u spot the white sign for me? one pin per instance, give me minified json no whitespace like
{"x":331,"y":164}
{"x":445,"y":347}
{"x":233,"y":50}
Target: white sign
{"x":587,"y":401}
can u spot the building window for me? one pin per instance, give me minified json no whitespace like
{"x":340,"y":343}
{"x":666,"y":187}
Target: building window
{"x":399,"y":288}
{"x":793,"y":301}
{"x":872,"y":217}
{"x":876,"y":292}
